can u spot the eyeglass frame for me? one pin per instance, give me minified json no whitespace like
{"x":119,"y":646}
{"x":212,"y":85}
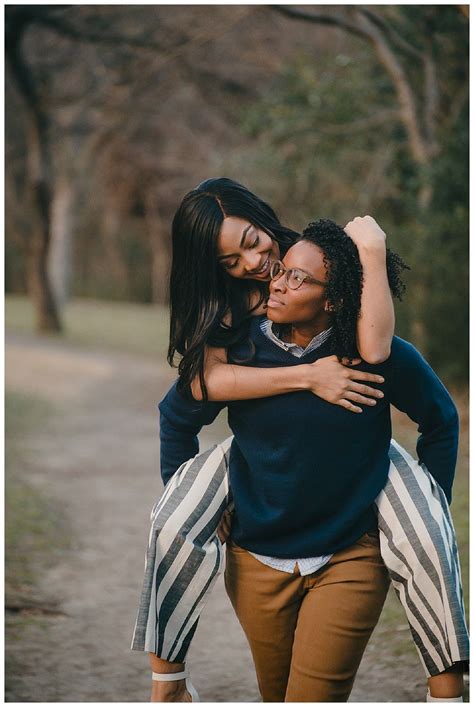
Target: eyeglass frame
{"x":284,"y":272}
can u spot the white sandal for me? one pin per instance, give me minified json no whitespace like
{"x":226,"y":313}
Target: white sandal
{"x":168,"y":677}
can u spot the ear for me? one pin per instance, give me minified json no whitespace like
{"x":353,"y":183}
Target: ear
{"x":331,"y":307}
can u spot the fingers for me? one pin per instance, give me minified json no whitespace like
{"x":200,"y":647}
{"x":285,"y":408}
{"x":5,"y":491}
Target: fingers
{"x":223,"y":532}
{"x":224,"y":528}
{"x":349,"y":406}
{"x":362,"y":376}
{"x":355,"y":397}
{"x":351,"y":397}
{"x":365,"y":390}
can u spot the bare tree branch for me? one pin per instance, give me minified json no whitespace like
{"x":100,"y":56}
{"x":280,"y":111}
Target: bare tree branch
{"x":322,"y":19}
{"x":403,"y":89}
{"x":84,"y":35}
{"x":366,"y":28}
{"x":391,"y":32}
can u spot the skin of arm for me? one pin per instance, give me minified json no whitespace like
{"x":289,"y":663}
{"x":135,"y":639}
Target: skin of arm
{"x":326,"y":378}
{"x":376,"y":323}
{"x":226,"y":381}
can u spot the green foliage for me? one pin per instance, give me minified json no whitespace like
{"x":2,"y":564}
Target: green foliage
{"x":329,"y":134}
{"x":448,"y":255}
{"x":307,"y":132}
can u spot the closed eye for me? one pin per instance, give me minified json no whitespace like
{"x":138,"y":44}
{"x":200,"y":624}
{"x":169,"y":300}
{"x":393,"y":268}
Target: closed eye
{"x":255,"y":243}
{"x":230,"y":265}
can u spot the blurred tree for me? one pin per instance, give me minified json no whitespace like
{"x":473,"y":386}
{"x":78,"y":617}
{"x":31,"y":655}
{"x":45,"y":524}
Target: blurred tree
{"x":131,"y":51}
{"x":447,"y":254}
{"x":423,"y":53}
{"x":333,"y":136}
{"x":38,"y":165}
{"x":144,"y":102}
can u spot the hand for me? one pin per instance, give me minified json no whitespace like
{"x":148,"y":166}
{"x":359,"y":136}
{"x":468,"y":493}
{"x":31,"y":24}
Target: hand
{"x":336,"y":383}
{"x":225,"y":524}
{"x":366,"y":233}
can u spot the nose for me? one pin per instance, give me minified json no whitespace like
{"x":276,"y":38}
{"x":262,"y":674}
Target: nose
{"x":278,"y":284}
{"x":252,"y":261}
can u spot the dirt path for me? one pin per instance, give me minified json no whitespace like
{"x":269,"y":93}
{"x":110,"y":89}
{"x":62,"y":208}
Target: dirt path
{"x":99,"y":460}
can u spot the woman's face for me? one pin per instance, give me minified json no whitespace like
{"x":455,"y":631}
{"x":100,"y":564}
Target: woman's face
{"x":306,"y":305}
{"x":245,"y":251}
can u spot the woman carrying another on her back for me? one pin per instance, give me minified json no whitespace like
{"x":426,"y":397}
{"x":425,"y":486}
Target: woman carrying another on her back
{"x":208,"y":230}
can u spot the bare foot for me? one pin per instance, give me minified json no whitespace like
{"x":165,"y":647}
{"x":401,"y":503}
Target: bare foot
{"x":173,"y":691}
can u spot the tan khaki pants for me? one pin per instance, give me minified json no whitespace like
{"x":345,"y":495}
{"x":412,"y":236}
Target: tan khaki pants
{"x":308,"y":634}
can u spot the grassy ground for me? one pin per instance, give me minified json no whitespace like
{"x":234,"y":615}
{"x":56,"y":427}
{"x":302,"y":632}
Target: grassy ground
{"x":35,"y":529}
{"x":135,"y":328}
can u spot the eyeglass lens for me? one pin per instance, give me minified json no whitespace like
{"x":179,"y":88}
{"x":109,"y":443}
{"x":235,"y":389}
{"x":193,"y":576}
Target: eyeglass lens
{"x":293,"y":278}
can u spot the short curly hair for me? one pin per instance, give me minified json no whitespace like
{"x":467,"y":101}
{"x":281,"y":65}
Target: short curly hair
{"x":345,"y":279}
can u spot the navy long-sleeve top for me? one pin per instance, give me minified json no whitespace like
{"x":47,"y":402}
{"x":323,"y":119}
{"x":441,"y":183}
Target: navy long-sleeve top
{"x":304,"y":473}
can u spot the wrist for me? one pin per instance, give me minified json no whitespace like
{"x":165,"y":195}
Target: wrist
{"x":306,"y":375}
{"x":373,"y":251}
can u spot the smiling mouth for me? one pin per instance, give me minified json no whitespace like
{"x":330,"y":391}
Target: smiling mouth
{"x":263,"y":269}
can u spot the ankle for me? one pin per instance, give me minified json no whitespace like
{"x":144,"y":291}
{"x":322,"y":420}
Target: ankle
{"x":161,"y":666}
{"x":168,"y":691}
{"x":429,"y":698}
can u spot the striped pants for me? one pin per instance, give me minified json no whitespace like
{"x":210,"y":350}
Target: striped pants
{"x":417,"y":541}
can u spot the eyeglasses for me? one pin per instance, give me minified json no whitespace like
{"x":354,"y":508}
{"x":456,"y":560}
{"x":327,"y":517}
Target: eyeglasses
{"x":294,"y":277}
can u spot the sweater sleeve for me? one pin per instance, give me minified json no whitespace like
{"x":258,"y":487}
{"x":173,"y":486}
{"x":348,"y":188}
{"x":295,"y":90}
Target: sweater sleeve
{"x":417,"y":390}
{"x":181,"y":420}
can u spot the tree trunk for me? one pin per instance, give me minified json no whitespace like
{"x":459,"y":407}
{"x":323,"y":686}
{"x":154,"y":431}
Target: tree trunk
{"x":160,"y":277}
{"x":38,"y":188}
{"x":60,"y":252}
{"x":112,"y":223}
{"x":38,"y":284}
{"x":160,"y":246}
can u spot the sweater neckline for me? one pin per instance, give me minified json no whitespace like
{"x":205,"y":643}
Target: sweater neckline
{"x":287,"y":354}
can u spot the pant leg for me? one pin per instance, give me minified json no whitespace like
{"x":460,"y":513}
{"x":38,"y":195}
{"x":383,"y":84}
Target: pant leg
{"x":184,"y":555}
{"x":418,"y":544}
{"x":266,"y":602}
{"x":340,"y":609}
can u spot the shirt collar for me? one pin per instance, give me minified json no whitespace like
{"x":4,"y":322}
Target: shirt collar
{"x":273,"y":331}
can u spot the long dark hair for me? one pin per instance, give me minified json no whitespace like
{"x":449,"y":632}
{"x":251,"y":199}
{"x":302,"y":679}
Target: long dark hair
{"x":345,"y":279}
{"x":201,"y":292}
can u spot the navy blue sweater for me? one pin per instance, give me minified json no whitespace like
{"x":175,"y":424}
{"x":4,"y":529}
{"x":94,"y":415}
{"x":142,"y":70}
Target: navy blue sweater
{"x":304,"y":473}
